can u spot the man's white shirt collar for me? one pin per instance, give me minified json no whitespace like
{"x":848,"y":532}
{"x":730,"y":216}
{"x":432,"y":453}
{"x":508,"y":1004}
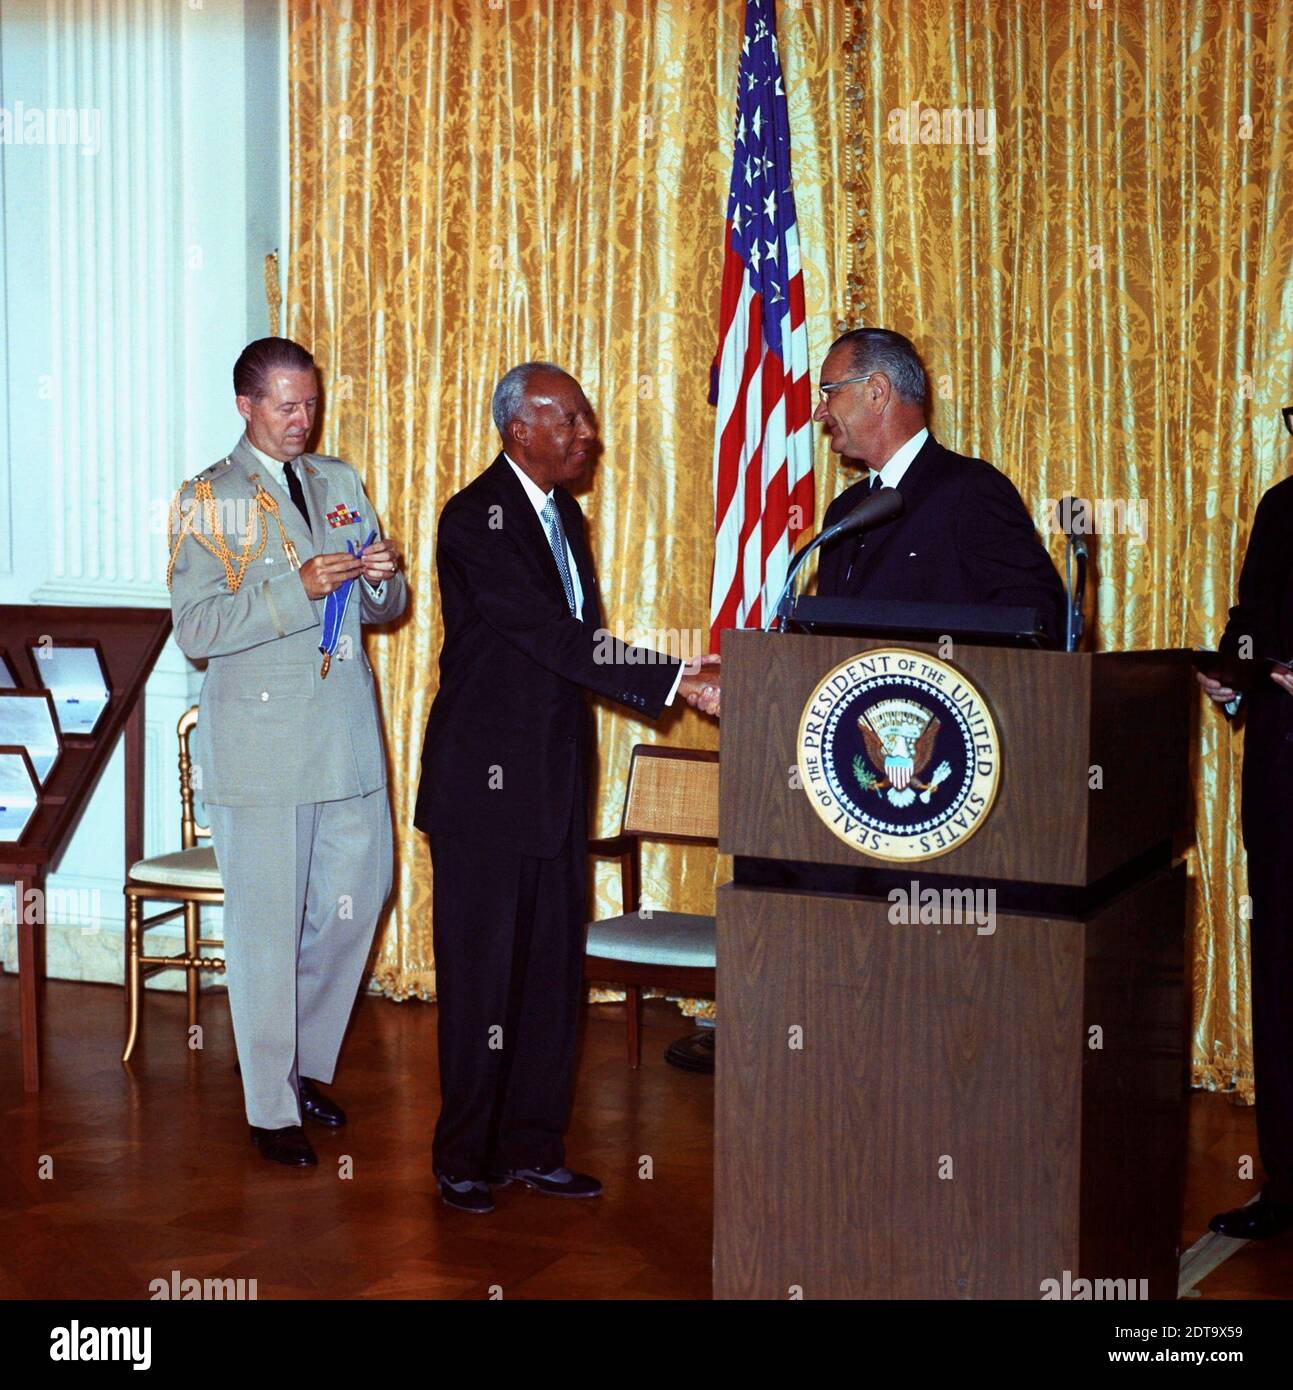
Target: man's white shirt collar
{"x":277,"y":469}
{"x":900,"y":460}
{"x":538,"y":498}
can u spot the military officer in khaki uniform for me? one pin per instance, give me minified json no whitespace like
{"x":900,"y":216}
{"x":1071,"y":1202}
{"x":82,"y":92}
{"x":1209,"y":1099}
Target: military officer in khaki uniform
{"x":288,"y":753}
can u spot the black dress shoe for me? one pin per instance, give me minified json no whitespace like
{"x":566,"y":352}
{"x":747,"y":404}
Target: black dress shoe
{"x":1257,"y":1221}
{"x":551,"y":1181}
{"x":465,"y":1194}
{"x":317,"y":1107}
{"x":288,"y":1145}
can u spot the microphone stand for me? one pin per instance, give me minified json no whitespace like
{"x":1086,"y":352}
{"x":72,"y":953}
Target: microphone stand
{"x":786,"y":602}
{"x":1074,"y":550}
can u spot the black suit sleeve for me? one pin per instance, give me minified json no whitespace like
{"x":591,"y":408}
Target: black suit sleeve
{"x":1248,"y":637}
{"x":494,"y":572}
{"x":1000,"y":548}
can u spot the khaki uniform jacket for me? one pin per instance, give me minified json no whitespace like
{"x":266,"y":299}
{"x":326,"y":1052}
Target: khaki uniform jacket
{"x":270,"y":730}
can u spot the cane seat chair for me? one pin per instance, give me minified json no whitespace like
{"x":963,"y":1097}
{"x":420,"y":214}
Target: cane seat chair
{"x":672,"y":795}
{"x":187,"y":876}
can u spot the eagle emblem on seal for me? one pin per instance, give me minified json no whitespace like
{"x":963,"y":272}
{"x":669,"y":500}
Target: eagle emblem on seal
{"x":899,"y":737}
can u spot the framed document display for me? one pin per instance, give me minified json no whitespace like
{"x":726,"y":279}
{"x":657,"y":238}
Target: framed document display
{"x":8,"y":676}
{"x":73,"y":673}
{"x":27,"y":720}
{"x":19,"y":791}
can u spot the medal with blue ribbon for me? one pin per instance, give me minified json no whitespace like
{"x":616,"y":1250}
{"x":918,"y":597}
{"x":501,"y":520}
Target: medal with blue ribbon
{"x":334,"y":611}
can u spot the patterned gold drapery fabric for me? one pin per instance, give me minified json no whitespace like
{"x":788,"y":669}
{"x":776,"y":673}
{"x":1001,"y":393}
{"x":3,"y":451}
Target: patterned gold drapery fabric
{"x":1105,"y":301}
{"x":475,"y":184}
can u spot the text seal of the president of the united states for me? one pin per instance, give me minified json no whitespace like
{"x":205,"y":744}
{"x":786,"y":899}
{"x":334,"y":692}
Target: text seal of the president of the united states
{"x":899,"y":754}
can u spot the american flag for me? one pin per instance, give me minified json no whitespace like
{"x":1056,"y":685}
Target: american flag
{"x":763,"y":454}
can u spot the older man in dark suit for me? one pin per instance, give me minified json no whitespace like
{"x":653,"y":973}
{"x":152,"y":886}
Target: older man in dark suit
{"x":504,"y":790}
{"x":963,"y":536}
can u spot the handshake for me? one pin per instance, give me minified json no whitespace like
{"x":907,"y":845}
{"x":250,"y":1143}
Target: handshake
{"x":701,"y":684}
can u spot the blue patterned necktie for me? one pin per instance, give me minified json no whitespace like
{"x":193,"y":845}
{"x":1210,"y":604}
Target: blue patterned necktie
{"x":557,"y":540}
{"x":876,"y":484}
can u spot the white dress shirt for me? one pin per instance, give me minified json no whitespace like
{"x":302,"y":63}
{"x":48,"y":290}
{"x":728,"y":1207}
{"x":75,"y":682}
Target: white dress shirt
{"x":539,"y":500}
{"x":891,"y":473}
{"x":278,"y":471}
{"x":897,"y":464}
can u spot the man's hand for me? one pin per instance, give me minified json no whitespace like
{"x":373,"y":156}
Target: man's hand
{"x":709,"y":662}
{"x":323,"y":574}
{"x":1284,"y":679}
{"x":381,"y":560}
{"x":701,"y":685}
{"x":1216,"y":692}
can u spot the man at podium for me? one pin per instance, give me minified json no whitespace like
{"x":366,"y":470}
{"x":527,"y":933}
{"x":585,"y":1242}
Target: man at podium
{"x":964,"y":534}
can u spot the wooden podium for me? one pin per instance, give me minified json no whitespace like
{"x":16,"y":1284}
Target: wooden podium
{"x":928,"y":1110}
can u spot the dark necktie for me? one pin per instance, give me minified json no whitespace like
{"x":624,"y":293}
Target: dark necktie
{"x":859,"y":545}
{"x":557,"y":540}
{"x":297,"y":492}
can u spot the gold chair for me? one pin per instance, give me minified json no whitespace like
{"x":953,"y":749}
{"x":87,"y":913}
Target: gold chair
{"x":672,"y":795}
{"x":188,"y":876}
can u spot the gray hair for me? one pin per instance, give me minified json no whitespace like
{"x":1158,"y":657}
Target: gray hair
{"x":509,"y":394}
{"x":883,"y":350}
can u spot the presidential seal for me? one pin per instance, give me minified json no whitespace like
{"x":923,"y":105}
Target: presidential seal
{"x":899,"y":754}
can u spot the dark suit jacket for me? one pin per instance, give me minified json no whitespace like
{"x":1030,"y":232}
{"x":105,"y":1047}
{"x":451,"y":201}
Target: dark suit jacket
{"x":1264,"y":615}
{"x":964,"y":536}
{"x":508,"y":741}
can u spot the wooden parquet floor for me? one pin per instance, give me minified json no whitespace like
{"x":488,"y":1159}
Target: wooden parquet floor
{"x":149,"y":1170}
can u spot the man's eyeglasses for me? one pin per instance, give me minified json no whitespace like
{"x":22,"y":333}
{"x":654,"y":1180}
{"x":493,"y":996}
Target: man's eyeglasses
{"x":825,"y":390}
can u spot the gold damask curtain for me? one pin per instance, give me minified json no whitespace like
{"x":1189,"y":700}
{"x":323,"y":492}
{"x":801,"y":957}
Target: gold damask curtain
{"x":1105,"y":302}
{"x":474,"y":184}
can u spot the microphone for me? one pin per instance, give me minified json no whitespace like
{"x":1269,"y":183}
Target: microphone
{"x":1075,"y":549}
{"x":873,"y":510}
{"x":1066,"y":510}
